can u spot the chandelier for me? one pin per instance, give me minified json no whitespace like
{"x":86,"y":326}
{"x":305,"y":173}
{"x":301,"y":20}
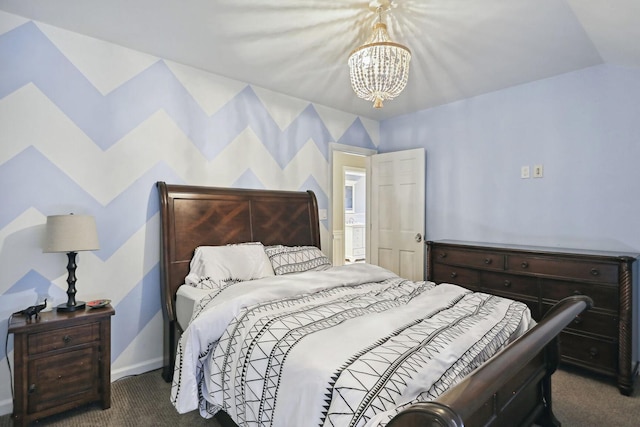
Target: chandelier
{"x":379,"y":68}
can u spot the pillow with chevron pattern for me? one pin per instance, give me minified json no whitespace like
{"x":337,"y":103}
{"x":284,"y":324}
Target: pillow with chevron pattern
{"x":296,"y":259}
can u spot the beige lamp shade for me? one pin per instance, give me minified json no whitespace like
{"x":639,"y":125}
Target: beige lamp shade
{"x":71,"y":233}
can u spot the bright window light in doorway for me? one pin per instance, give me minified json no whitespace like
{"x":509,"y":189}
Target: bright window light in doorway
{"x":349,"y":194}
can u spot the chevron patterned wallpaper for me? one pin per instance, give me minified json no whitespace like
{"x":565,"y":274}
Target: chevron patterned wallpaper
{"x":89,"y":127}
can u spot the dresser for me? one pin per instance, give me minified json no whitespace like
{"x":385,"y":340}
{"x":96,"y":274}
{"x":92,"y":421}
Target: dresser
{"x":62,"y":360}
{"x":599,"y":340}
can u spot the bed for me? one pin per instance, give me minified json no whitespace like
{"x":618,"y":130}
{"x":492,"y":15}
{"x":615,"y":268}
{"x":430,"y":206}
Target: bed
{"x":512,"y":388}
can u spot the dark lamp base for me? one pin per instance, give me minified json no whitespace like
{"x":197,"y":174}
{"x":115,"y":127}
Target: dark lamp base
{"x":64,"y":307}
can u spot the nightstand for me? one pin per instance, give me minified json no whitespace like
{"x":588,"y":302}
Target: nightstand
{"x":62,"y":360}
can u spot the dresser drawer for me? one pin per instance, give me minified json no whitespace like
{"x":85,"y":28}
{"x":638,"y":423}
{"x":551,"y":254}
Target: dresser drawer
{"x":563,"y":267}
{"x":592,"y":322}
{"x":56,"y":339}
{"x":500,"y":282}
{"x":443,"y":273}
{"x":599,"y":355}
{"x":604,"y":297}
{"x":469,"y":258}
{"x":67,"y":378}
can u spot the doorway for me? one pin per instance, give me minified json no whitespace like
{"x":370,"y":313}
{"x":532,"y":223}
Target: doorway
{"x":349,"y":203}
{"x":355,"y":208}
{"x":394,"y":225}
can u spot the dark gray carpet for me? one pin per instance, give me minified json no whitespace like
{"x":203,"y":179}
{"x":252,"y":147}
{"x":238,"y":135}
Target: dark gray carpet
{"x":584,"y":401}
{"x":579,"y":401}
{"x":139,"y":401}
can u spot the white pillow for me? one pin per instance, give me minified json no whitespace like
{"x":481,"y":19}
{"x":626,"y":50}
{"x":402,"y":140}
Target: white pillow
{"x":296,"y":259}
{"x":218,"y":266}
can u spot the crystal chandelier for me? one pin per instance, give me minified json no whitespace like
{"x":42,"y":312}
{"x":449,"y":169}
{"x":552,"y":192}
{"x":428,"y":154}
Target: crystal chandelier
{"x":379,"y":68}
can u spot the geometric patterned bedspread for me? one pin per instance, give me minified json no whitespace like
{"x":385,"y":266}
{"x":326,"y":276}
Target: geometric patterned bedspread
{"x":349,"y":346}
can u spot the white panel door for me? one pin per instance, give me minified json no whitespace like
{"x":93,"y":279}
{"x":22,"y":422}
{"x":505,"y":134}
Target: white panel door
{"x":397,"y":212}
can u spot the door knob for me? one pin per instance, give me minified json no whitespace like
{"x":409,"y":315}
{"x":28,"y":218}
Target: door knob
{"x":418,"y":237}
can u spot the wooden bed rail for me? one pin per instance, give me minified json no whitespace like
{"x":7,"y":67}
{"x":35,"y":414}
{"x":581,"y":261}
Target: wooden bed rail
{"x":463,"y":401}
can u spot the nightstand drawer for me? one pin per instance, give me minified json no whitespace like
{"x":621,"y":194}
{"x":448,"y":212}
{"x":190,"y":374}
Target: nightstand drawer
{"x":56,"y":339}
{"x":470,"y":258}
{"x":66,"y":378}
{"x":559,"y":267}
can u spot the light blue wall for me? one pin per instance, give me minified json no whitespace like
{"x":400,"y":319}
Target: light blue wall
{"x":89,"y":127}
{"x":583,"y":127}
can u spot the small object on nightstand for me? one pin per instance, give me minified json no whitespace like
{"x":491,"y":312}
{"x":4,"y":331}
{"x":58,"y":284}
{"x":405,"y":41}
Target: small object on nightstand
{"x":34,"y":310}
{"x":98,"y":303}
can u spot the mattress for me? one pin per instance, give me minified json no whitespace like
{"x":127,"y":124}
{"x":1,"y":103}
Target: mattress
{"x":186,"y":297}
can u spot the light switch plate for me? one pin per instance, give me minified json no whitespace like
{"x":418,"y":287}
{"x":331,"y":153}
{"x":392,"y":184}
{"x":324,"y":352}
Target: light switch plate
{"x":524,"y":172}
{"x":537,"y":171}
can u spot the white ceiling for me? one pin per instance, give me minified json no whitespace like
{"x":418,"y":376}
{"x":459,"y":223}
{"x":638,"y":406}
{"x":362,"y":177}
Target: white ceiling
{"x":460,"y":48}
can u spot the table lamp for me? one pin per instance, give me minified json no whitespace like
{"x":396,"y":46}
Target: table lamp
{"x":71,"y":233}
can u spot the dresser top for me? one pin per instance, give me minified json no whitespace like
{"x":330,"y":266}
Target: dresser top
{"x":540,"y":249}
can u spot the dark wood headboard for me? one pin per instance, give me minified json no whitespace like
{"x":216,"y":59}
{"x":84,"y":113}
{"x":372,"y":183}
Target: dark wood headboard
{"x":193,"y":216}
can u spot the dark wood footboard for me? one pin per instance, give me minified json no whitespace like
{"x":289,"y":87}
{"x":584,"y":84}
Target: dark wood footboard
{"x":512,"y":389}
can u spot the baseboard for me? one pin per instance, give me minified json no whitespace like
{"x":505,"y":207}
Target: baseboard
{"x":140,"y":368}
{"x":6,"y":406}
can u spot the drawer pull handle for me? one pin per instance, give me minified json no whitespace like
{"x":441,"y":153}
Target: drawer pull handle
{"x":576,"y":292}
{"x":593,"y":352}
{"x":595,"y":272}
{"x":442,"y":254}
{"x":577,"y":320}
{"x":524,"y":264}
{"x":454,"y":275}
{"x":32,"y":389}
{"x":66,"y":339}
{"x":507,"y":283}
{"x":487,"y":261}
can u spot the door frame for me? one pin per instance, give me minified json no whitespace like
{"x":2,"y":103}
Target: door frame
{"x":336,"y":201}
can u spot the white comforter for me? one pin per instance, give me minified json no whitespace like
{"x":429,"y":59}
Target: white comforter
{"x":351,"y":345}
